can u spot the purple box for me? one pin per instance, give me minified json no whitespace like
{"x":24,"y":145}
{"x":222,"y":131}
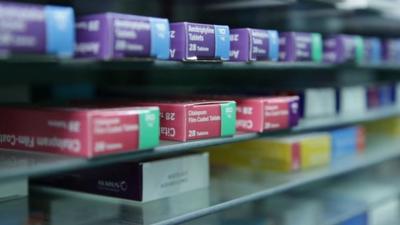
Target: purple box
{"x":344,"y":48}
{"x":195,"y":41}
{"x":300,"y":46}
{"x":36,"y":29}
{"x":114,"y":36}
{"x":254,"y":44}
{"x":391,"y":50}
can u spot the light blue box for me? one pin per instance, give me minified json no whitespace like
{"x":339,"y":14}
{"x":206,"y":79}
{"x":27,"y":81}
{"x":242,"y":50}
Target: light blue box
{"x":60,"y":30}
{"x":160,"y":40}
{"x":273,"y":52}
{"x":344,"y":142}
{"x":222,"y":42}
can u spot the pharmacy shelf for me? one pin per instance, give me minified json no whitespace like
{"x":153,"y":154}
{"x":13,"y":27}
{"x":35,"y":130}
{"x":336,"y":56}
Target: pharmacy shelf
{"x":45,"y":62}
{"x":143,"y":64}
{"x":240,"y":4}
{"x":229,"y":188}
{"x":20,"y":164}
{"x":334,"y":210}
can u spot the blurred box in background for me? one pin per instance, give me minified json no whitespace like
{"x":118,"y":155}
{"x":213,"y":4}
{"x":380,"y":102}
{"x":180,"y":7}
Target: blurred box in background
{"x":347,"y":141}
{"x":342,"y":48}
{"x":352,"y":100}
{"x":300,"y":47}
{"x":109,"y":36}
{"x":36,"y":29}
{"x":318,"y":102}
{"x":277,"y":154}
{"x":249,"y":44}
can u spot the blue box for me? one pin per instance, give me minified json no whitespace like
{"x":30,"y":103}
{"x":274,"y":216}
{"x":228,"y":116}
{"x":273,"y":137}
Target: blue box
{"x":60,"y":27}
{"x":344,"y":142}
{"x":160,"y":41}
{"x":361,"y":219}
{"x":373,"y":51}
{"x":387,"y":95}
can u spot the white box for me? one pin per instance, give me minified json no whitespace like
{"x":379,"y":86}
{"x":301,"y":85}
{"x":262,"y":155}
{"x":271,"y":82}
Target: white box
{"x":352,"y":100}
{"x":319,"y":102}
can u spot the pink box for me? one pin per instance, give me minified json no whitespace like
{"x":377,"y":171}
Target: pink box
{"x":79,"y":131}
{"x":267,"y":113}
{"x":193,"y":120}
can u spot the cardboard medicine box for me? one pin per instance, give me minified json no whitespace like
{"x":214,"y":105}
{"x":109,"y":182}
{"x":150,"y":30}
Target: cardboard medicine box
{"x":260,"y":114}
{"x":79,"y":132}
{"x":343,"y":48}
{"x":194,"y":120}
{"x":195,"y":41}
{"x":36,"y":29}
{"x":277,"y":154}
{"x":138,"y":181}
{"x":300,"y":47}
{"x":347,"y":141}
{"x":109,"y":36}
{"x":249,"y":44}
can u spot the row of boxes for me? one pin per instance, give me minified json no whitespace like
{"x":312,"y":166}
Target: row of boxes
{"x":37,"y":29}
{"x":293,"y":152}
{"x":107,"y":127}
{"x":347,"y":100}
{"x":120,"y":126}
{"x":117,"y":126}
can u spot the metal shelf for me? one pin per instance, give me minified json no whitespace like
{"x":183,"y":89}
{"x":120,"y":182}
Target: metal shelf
{"x":15,"y":62}
{"x":333,"y":209}
{"x":240,"y":4}
{"x":229,"y":188}
{"x":48,"y":70}
{"x":17,"y":164}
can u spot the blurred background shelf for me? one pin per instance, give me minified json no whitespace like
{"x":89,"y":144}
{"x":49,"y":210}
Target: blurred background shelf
{"x":361,"y":195}
{"x":229,"y":188}
{"x":240,"y":4}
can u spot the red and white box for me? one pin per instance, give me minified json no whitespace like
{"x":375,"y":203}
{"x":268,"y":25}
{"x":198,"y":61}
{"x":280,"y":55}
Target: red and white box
{"x":79,"y":132}
{"x":194,"y":120}
{"x":258,"y":114}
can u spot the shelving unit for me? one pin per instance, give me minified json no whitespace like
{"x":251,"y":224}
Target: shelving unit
{"x":336,"y":208}
{"x":134,"y":77}
{"x":244,"y":186}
